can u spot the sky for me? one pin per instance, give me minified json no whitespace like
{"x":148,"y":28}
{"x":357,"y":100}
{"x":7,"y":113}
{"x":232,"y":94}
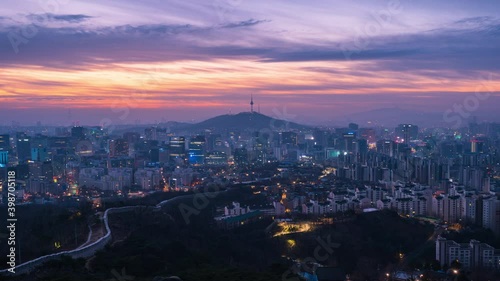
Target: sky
{"x":126,"y":61}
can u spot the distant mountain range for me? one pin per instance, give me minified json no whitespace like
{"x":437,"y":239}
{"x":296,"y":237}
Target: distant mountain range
{"x":390,"y":117}
{"x":253,"y":121}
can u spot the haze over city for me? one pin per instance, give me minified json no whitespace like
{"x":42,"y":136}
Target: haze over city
{"x":286,"y":140}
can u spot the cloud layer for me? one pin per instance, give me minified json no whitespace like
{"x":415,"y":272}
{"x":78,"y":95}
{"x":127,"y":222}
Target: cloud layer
{"x":208,"y":57}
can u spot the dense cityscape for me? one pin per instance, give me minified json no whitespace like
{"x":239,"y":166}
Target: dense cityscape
{"x":232,"y":140}
{"x":301,"y":177}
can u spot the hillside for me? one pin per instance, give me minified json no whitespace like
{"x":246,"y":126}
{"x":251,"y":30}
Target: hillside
{"x":245,"y":121}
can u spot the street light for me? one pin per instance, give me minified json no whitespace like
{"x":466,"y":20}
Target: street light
{"x":456,"y":274}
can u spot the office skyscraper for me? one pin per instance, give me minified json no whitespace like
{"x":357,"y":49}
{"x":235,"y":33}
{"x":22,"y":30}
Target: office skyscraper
{"x":196,"y":150}
{"x":4,"y":159}
{"x":23,"y":145}
{"x":177,"y":147}
{"x":78,"y":132}
{"x":407,"y":131}
{"x":4,"y":142}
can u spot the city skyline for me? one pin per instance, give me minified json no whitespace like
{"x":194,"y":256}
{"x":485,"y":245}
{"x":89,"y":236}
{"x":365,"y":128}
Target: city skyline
{"x":321,"y":62}
{"x":250,"y":140}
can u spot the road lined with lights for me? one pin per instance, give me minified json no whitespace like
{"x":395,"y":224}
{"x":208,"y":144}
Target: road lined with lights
{"x":90,"y":249}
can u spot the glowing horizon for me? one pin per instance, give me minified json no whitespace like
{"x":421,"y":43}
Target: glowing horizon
{"x":190,"y":61}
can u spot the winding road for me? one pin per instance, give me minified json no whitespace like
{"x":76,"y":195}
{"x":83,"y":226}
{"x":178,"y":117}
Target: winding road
{"x":88,"y":249}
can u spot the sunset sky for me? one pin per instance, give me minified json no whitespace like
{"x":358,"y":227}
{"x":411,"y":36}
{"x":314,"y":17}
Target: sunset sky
{"x":88,"y":61}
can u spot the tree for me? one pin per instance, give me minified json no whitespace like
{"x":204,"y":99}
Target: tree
{"x":435,"y":265}
{"x":456,"y":265}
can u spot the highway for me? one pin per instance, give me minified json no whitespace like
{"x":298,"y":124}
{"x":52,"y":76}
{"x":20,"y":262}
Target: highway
{"x":89,"y":249}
